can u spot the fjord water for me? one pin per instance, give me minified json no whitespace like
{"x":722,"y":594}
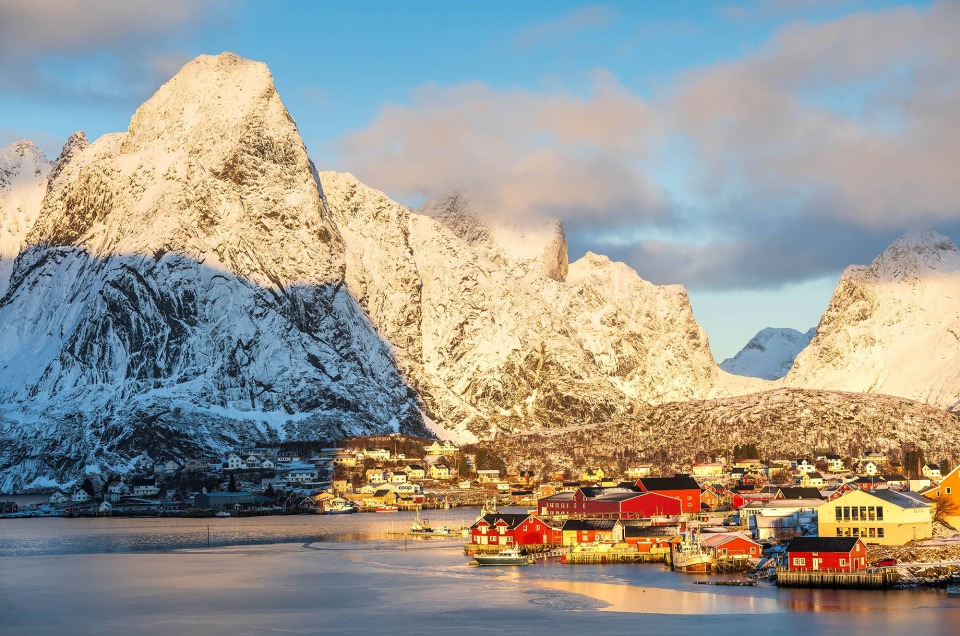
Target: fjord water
{"x":341,"y":575}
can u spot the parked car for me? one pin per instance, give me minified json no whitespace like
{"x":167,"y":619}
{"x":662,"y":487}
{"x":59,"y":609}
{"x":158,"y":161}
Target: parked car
{"x":884,"y":563}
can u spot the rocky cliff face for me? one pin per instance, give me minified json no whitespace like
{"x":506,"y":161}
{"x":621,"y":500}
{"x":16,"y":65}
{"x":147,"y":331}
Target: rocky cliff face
{"x":892,"y":327}
{"x":183,"y":289}
{"x":498,"y":332}
{"x":769,"y":354}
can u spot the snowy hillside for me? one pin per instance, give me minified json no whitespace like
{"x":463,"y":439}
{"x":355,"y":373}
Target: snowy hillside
{"x":892,"y":327}
{"x":769,"y":354}
{"x":183,"y":291}
{"x":783,"y":423}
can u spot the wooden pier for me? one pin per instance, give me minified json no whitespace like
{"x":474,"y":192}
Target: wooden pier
{"x":876,"y":580}
{"x":613,"y":556}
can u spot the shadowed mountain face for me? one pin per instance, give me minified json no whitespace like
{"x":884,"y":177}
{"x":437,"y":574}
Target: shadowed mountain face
{"x":109,"y":360}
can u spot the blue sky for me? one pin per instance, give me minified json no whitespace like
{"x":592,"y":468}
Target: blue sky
{"x":749,"y":150}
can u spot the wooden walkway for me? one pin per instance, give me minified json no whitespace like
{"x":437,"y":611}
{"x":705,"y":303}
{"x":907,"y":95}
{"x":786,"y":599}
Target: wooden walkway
{"x":613,"y":556}
{"x":880,"y":580}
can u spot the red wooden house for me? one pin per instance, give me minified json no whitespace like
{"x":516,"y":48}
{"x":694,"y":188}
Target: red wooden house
{"x":613,"y":503}
{"x":576,"y":531}
{"x":730,"y":545}
{"x":507,"y":530}
{"x":683,"y":487}
{"x":838,"y":554}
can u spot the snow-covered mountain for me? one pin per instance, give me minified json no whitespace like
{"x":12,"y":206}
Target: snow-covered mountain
{"x":23,"y":182}
{"x":183,"y":290}
{"x":189,"y":285}
{"x":496,"y":331}
{"x":892,"y":327}
{"x":769,"y":354}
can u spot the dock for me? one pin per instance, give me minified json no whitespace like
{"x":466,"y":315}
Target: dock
{"x":578,"y":557}
{"x":876,"y":580}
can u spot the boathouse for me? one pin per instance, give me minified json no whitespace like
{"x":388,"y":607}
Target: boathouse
{"x":838,"y":554}
{"x":683,"y":487}
{"x":507,"y":529}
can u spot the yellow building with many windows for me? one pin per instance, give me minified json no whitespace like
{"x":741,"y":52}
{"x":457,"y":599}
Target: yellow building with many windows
{"x":883,"y":517}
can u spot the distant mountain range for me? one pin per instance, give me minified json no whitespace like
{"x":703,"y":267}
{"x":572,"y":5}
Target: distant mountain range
{"x":194,"y":283}
{"x":769,"y":354}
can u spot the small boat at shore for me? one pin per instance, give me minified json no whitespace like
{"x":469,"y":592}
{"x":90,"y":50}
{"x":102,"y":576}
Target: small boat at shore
{"x":690,"y":556}
{"x":386,"y":509}
{"x":510,"y":556}
{"x":339,"y":507}
{"x":423,"y":528}
{"x":953,"y":590}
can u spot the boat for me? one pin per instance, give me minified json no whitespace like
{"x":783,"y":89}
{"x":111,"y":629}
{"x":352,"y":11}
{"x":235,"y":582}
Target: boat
{"x":953,"y":590}
{"x":510,"y":556}
{"x":222,"y":513}
{"x":421,"y":527}
{"x":688,"y":555}
{"x":339,"y":507}
{"x":386,"y":509}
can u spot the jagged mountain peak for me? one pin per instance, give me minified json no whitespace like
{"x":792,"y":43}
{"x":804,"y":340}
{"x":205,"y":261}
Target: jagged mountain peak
{"x":916,"y":254}
{"x":527,"y":248}
{"x":23,"y":177}
{"x":769,"y":354}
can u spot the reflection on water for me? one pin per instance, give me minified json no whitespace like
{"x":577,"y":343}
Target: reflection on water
{"x":346,"y":574}
{"x":651,"y":600}
{"x":89,"y":535}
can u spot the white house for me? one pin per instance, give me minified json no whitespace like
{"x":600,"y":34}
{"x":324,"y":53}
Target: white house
{"x":252,"y":462}
{"x":266,"y":465}
{"x":378,"y":454}
{"x":415,"y":471}
{"x":235,"y":462}
{"x":105,"y":508}
{"x":169,"y":467}
{"x":398,"y":477}
{"x":145,"y":487}
{"x":302,"y":475}
{"x":80,"y":496}
{"x":59,"y":497}
{"x":376,"y":476}
{"x":636,"y":472}
{"x":445,"y":448}
{"x":835,"y":463}
{"x":407,"y":489}
{"x":932,"y":471}
{"x":869,"y":468}
{"x":488,"y":475}
{"x":806,"y":466}
{"x":441,"y":471}
{"x":115,"y":490}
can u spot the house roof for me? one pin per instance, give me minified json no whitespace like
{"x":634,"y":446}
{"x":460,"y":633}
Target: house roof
{"x":903,"y":500}
{"x":512,"y":520}
{"x":650,"y":531}
{"x":677,"y":482}
{"x":620,"y":496}
{"x":877,"y":479}
{"x":790,"y":492}
{"x":591,"y":492}
{"x":717,"y":539}
{"x":822,"y":544}
{"x":588,"y":524}
{"x":566,"y":495}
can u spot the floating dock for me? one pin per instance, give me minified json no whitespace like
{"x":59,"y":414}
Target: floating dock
{"x":879,"y":580}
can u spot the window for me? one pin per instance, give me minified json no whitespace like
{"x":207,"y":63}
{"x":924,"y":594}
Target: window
{"x":839,"y":513}
{"x":871,"y":513}
{"x":856,"y":532}
{"x":949,"y":490}
{"x":879,"y":533}
{"x":879,"y":513}
{"x":856,"y":514}
{"x":799,"y":561}
{"x":873,"y":532}
{"x":843,"y":562}
{"x":753,"y":550}
{"x":846,"y":513}
{"x":839,"y":531}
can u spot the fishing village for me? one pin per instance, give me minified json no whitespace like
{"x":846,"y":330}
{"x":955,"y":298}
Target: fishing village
{"x":818,"y":521}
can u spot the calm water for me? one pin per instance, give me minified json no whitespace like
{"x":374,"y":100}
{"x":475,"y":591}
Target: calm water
{"x":345,"y":575}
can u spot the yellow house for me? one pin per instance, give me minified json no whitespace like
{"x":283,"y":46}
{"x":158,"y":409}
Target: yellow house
{"x":949,"y":486}
{"x":592,"y":474}
{"x":881,"y":516}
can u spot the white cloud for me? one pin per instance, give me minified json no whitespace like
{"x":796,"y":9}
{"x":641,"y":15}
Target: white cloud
{"x":846,"y":127}
{"x":125,"y":37}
